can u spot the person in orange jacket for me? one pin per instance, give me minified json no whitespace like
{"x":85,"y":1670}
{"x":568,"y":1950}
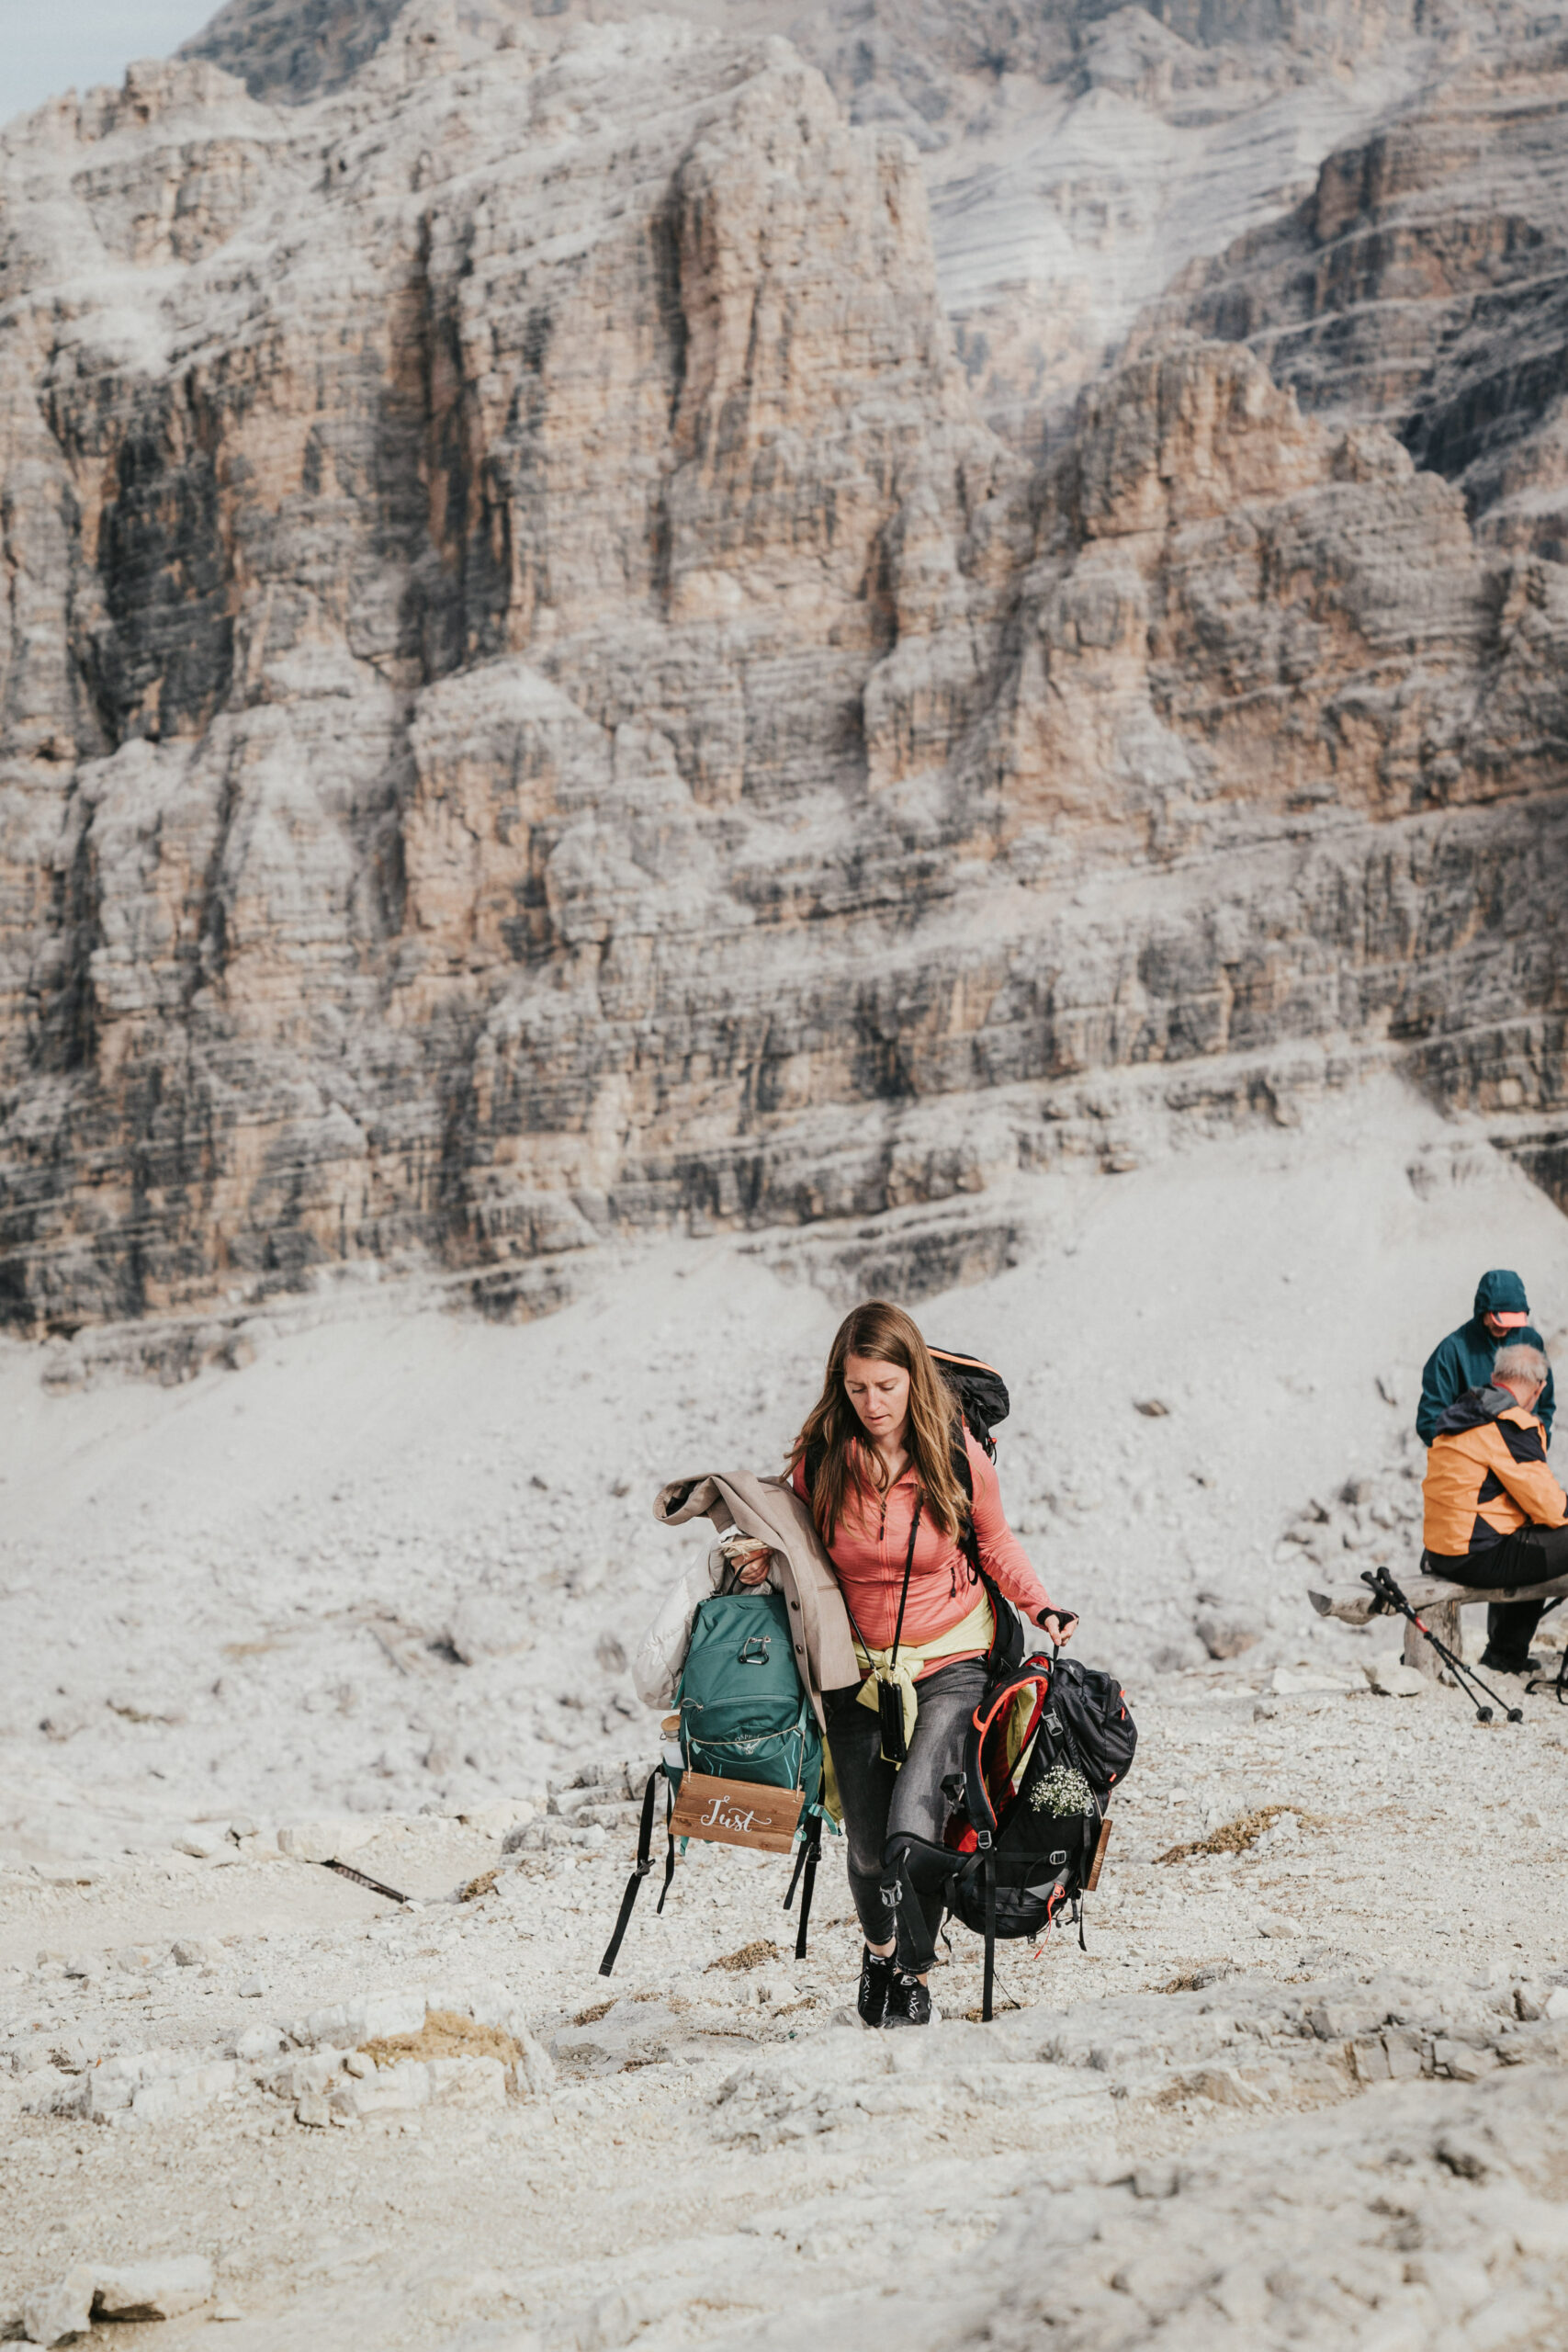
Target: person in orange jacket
{"x":1493,"y":1513}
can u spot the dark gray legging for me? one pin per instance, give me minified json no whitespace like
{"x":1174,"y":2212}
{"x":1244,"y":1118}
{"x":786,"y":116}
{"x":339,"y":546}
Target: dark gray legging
{"x":882,"y":1804}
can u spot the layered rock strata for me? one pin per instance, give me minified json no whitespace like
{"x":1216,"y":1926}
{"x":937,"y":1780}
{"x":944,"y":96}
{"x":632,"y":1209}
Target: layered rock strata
{"x":1077,"y":156}
{"x":534,"y":706}
{"x":1424,"y":282}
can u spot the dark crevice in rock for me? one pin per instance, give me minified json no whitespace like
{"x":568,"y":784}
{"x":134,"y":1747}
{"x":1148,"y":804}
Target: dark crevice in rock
{"x":65,"y":1038}
{"x":157,"y":642}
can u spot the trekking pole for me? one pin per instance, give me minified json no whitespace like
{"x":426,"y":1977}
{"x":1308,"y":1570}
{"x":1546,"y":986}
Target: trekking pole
{"x":344,"y":1871}
{"x":1387,"y":1591}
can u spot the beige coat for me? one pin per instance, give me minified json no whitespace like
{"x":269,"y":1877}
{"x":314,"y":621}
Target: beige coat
{"x":770,"y":1508}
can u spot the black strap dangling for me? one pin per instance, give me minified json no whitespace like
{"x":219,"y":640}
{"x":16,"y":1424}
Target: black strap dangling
{"x":644,"y":1864}
{"x":668,"y":1850}
{"x":804,"y":1877}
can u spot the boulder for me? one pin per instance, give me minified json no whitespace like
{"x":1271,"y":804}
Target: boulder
{"x":1395,"y":1680}
{"x":327,"y":1841}
{"x":487,"y":1625}
{"x":1226,"y":1633}
{"x":54,"y":2313}
{"x":499,"y":1820}
{"x":371,"y":2017}
{"x":161,"y":2289}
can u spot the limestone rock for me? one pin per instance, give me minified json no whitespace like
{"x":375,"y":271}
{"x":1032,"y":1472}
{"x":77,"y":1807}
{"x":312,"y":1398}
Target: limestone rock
{"x":261,"y":2041}
{"x":141,"y":2086}
{"x":500,"y":1820}
{"x":304,"y":2076}
{"x":1402,"y":224}
{"x":486,"y":1624}
{"x":1396,"y":1680}
{"x":197,"y":1951}
{"x":670,"y":760}
{"x":368,"y":2017}
{"x":160,"y":2289}
{"x":413,"y":2084}
{"x":324,"y":1841}
{"x":1292,"y":1681}
{"x":1227,"y":1633}
{"x":56,"y":2313}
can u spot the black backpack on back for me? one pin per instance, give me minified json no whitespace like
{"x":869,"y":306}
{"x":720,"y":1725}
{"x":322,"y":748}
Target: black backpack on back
{"x":982,"y":1395}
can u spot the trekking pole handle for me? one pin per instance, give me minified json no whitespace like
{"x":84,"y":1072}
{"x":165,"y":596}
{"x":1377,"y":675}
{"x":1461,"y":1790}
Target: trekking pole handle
{"x":1383,"y":1588}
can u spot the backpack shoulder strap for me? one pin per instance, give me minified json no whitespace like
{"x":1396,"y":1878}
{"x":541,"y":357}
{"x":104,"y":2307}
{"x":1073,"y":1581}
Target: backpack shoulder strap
{"x":961,"y":1470}
{"x":1005,"y":1652}
{"x":968,"y":1542}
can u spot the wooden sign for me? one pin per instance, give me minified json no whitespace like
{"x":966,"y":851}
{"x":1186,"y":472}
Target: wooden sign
{"x":736,"y":1812}
{"x":1100,"y":1843}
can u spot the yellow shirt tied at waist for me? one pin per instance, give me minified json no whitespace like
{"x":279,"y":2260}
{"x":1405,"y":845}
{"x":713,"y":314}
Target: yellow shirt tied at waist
{"x":975,"y":1632}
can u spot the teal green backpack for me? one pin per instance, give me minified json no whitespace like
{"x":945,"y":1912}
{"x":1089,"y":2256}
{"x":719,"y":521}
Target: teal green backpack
{"x":744,"y":1715}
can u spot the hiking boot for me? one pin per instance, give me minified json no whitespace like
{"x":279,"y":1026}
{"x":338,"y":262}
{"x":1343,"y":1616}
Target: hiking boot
{"x":876,"y":1981}
{"x":910,"y":2002}
{"x":1490,"y":1665}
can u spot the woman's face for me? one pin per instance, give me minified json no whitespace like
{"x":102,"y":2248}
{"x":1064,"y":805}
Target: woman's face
{"x":879,"y":1393}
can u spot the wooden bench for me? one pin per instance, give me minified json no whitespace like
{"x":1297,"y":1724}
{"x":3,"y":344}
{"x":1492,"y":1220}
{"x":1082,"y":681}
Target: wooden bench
{"x":1438,"y":1599}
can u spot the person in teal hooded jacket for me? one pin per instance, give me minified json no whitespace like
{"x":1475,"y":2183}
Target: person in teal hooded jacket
{"x":1463,"y":1359}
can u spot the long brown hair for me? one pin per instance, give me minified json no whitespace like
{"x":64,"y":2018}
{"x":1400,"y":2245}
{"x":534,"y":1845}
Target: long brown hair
{"x":832,"y":1427}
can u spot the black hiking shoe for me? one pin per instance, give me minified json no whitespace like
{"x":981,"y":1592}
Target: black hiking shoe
{"x":910,"y":2002}
{"x":1490,"y":1665}
{"x":877,"y":1978}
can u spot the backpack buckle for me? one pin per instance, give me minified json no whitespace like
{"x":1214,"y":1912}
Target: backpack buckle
{"x":753,"y":1650}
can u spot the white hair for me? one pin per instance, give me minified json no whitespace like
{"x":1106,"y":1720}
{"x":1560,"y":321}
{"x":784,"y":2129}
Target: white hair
{"x":1522,"y":1363}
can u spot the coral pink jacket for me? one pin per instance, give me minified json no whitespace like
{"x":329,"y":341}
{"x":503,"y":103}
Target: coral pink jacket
{"x":868,"y":1552}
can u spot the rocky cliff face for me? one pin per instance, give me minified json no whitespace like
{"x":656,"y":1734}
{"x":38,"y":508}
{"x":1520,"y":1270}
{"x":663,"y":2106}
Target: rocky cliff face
{"x":536,"y":705}
{"x":1076,"y":155}
{"x":1423,"y":281}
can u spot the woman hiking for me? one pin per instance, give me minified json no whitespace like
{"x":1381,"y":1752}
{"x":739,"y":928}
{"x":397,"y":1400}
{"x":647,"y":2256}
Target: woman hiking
{"x":874,"y":1460}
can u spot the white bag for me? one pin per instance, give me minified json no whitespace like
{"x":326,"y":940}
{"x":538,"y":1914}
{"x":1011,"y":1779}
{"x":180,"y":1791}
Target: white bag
{"x":661,"y":1653}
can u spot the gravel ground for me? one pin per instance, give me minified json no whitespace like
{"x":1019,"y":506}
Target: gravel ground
{"x":1304,"y":2087}
{"x":659,"y":2190}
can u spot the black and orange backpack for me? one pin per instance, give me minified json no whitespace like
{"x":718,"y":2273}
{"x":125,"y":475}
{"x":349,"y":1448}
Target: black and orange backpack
{"x":1048,"y":1745}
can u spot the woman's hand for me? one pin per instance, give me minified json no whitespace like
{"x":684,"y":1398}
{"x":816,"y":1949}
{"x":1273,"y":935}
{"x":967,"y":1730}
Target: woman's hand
{"x":751,"y":1562}
{"x":1060,"y":1623}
